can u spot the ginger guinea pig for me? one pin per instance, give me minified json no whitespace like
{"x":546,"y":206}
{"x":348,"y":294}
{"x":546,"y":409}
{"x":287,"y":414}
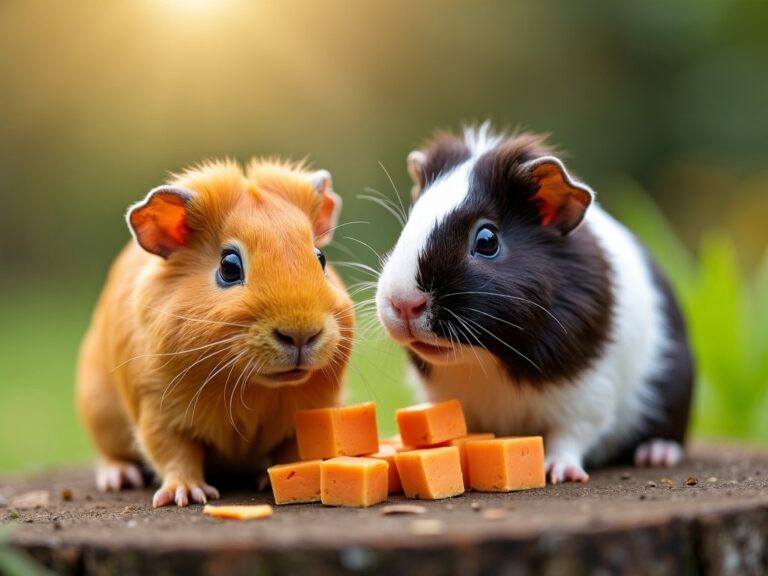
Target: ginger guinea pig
{"x":215,"y":325}
{"x":514,"y":292}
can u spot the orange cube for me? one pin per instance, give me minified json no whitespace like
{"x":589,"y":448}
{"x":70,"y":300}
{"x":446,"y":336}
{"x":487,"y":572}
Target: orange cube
{"x":331,"y":432}
{"x":461,"y":444}
{"x":506,"y":464}
{"x":387,"y":452}
{"x":296,"y":482}
{"x":430,"y":474}
{"x":431,"y":423}
{"x":357,"y":482}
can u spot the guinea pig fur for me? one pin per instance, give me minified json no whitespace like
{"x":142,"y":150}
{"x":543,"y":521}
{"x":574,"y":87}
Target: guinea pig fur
{"x":215,"y":325}
{"x":515,"y":292}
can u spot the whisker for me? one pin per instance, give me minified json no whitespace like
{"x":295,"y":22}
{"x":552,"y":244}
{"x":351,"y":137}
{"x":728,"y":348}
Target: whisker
{"x":384,"y":205}
{"x":340,"y":226}
{"x":397,"y":194}
{"x":515,"y":350}
{"x":197,"y":349}
{"x":536,"y":304}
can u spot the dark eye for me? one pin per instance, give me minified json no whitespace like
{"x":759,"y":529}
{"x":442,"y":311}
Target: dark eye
{"x":320,"y":257}
{"x":486,"y":242}
{"x":230,"y":268}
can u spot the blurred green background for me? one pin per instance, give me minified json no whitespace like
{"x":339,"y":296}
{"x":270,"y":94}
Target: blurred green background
{"x":661,"y":106}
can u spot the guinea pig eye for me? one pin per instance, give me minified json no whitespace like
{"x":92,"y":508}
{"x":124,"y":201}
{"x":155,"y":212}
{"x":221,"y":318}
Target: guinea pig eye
{"x":230,"y":268}
{"x":320,"y":257}
{"x":486,"y":242}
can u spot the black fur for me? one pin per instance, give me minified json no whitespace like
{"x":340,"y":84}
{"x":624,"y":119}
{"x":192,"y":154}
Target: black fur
{"x":554,"y":289}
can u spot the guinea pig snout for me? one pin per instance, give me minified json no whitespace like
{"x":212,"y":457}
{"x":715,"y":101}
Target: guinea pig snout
{"x":297,"y":338}
{"x":405,"y":314}
{"x":409,"y":306}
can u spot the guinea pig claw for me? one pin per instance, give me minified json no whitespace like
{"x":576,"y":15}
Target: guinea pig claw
{"x":659,"y":452}
{"x":559,"y":472}
{"x":114,"y":476}
{"x":182,"y":494}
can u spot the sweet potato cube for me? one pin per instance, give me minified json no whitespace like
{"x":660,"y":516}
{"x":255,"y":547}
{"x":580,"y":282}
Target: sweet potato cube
{"x":506,"y":464}
{"x":461,"y":444}
{"x":331,"y":432}
{"x":238,"y":512}
{"x":296,"y":482}
{"x":357,"y":482}
{"x":430,"y":474}
{"x":387,"y":452}
{"x":431,"y":423}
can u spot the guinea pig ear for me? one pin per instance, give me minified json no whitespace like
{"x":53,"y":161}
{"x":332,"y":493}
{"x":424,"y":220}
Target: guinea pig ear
{"x":416,"y":162}
{"x":327,"y":215}
{"x":159,"y":222}
{"x":561,"y":200}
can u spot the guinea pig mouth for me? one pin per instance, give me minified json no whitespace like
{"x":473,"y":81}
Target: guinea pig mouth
{"x":430,"y":350}
{"x":289,"y":376}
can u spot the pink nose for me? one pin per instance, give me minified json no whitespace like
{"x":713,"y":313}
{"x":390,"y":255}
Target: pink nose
{"x":409,"y":307}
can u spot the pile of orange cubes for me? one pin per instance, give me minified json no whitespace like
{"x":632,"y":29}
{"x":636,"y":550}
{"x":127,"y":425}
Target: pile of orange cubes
{"x":343,"y":462}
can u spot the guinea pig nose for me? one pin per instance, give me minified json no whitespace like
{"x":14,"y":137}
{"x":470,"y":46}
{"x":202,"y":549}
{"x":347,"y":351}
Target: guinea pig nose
{"x":409,"y":307}
{"x":297,"y":337}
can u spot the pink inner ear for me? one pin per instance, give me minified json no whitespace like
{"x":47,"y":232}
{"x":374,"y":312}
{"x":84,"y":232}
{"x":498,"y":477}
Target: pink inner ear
{"x":160,"y":225}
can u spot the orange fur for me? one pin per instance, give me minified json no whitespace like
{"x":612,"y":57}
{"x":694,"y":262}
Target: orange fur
{"x":140,"y":393}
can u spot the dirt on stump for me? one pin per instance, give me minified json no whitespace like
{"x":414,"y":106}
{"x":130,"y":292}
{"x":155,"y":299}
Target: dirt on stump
{"x":709,"y":515}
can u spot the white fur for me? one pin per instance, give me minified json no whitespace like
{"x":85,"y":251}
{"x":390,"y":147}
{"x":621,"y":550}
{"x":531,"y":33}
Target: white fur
{"x":606,"y":404}
{"x":438,"y":200}
{"x":586,"y":418}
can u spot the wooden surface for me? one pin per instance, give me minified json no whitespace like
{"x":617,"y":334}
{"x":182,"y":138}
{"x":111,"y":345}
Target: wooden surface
{"x":625,"y":520}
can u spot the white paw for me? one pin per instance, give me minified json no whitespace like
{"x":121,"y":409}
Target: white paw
{"x":559,"y":471}
{"x":182,"y":493}
{"x":112,"y":476}
{"x":659,"y":453}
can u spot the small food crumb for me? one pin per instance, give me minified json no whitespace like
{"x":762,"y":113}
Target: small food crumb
{"x":626,"y":476}
{"x":131,"y":523}
{"x":494,"y":513}
{"x":67,"y":494}
{"x":426,"y":527}
{"x":403,"y":509}
{"x":711,"y":480}
{"x":254,"y":512}
{"x":651,"y":484}
{"x":691,"y":481}
{"x":667,"y":482}
{"x":476,"y":505}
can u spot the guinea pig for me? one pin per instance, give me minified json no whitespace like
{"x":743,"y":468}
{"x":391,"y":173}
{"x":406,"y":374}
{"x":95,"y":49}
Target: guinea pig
{"x":516,"y":293}
{"x":216,"y":324}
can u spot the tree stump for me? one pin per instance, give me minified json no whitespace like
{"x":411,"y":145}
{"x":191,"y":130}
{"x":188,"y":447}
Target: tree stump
{"x":707,"y":516}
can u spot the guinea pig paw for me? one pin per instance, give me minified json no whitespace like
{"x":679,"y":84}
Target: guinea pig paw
{"x":658,"y":452}
{"x":182,"y":493}
{"x":559,"y":471}
{"x":112,"y":476}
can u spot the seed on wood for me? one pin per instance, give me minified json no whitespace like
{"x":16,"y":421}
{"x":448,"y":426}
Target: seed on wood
{"x":426,"y":527}
{"x":403,"y":509}
{"x":494,"y":513}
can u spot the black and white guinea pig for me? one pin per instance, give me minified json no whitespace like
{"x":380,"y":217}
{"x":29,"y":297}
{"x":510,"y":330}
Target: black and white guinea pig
{"x":515,"y":292}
